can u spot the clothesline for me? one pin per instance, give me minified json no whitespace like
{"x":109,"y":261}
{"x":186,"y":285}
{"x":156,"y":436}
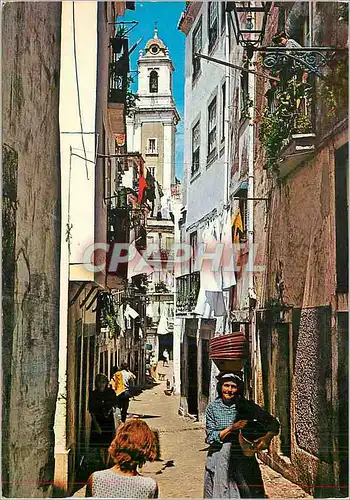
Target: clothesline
{"x":214,"y":214}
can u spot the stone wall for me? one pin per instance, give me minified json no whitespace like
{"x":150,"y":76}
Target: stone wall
{"x":303,"y":368}
{"x":31,"y":218}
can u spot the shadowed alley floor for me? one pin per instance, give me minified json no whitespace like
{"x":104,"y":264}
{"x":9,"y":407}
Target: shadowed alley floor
{"x":182,"y":441}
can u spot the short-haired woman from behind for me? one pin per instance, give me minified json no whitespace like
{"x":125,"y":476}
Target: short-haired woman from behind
{"x":134,"y":444}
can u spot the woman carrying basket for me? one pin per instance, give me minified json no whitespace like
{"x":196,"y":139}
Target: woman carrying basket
{"x":230,"y":472}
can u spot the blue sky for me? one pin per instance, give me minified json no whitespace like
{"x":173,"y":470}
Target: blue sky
{"x":167,"y":15}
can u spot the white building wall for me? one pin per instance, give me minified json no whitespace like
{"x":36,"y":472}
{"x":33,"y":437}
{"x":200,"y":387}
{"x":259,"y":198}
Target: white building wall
{"x":77,"y":200}
{"x":168,"y":148}
{"x":205,"y":191}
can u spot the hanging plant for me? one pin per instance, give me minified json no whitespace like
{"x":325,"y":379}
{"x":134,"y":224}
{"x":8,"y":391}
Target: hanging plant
{"x":131,"y":97}
{"x":108,"y":314}
{"x":277,"y":125}
{"x":333,"y":89}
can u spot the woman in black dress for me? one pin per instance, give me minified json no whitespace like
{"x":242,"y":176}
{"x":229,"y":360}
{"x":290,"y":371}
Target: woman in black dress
{"x":101,"y":403}
{"x":229,"y":473}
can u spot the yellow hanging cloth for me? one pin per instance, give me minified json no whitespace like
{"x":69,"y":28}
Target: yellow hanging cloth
{"x":237,"y":223}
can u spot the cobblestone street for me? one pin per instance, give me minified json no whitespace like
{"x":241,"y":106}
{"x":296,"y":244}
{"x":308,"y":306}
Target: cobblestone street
{"x":182,"y":441}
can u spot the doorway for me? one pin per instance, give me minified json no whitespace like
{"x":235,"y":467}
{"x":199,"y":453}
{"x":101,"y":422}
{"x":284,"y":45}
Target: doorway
{"x":192,"y":398}
{"x":283,"y":388}
{"x":165,"y":342}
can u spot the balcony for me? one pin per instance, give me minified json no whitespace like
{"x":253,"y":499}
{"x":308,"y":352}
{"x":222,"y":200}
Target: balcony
{"x":118,"y":83}
{"x":187,"y":290}
{"x":299,"y":148}
{"x":118,"y":231}
{"x":287,"y":127}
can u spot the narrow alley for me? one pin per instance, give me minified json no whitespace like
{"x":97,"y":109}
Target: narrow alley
{"x":175,"y":191}
{"x":182,"y":443}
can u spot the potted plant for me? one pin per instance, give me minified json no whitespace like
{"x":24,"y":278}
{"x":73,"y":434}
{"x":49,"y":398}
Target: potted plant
{"x":119,"y":41}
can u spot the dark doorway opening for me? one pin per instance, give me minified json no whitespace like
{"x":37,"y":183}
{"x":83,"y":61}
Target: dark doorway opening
{"x":165,"y":342}
{"x":283,"y":388}
{"x":343,"y":397}
{"x":205,"y":367}
{"x":192,"y":399}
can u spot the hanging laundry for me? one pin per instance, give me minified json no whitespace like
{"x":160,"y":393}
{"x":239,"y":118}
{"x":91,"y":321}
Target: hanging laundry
{"x":210,"y":304}
{"x":228,"y":267}
{"x":158,"y":203}
{"x":137,"y":264}
{"x":237,"y":225}
{"x":210,"y":271}
{"x":121,"y":319}
{"x":142,"y":183}
{"x":150,"y":190}
{"x":162,"y":328}
{"x":149,"y":310}
{"x":130,"y":312}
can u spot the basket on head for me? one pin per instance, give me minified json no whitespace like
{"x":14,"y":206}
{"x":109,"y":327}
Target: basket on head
{"x":229,"y":351}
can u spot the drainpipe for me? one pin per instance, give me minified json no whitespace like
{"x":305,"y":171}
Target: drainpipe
{"x":250,"y":221}
{"x":226,"y":325}
{"x":227,"y":118}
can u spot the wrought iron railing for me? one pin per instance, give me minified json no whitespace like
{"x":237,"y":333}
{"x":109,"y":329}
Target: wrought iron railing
{"x":187,"y":290}
{"x":118,"y":229}
{"x":118,"y":70}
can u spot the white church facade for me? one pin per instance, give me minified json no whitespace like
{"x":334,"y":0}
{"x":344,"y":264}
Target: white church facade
{"x":151,"y":130}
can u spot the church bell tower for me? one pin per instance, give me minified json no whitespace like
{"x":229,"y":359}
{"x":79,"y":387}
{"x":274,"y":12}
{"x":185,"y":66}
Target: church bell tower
{"x":151,"y":129}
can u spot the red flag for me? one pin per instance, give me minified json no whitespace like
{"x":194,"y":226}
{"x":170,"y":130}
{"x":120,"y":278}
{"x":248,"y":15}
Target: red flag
{"x":142,"y":182}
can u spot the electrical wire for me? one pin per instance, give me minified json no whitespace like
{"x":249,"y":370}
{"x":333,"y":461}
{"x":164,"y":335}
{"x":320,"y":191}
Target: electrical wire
{"x":78,"y":91}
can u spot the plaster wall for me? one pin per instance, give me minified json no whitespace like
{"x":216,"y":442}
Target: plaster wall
{"x":295,"y":243}
{"x":205,"y":190}
{"x":153,"y":130}
{"x":31,"y":244}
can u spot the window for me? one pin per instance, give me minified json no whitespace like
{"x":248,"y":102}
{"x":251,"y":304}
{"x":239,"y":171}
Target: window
{"x":196,"y":141}
{"x":212,"y":23}
{"x":152,"y":147}
{"x":153,"y":82}
{"x":223,"y":106}
{"x":212,"y":127}
{"x":193,"y":243}
{"x":196,"y":47}
{"x":223,"y":16}
{"x":152,"y":171}
{"x":244,"y":93}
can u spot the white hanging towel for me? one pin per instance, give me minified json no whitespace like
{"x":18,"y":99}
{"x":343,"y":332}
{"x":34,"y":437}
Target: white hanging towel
{"x":130,"y":312}
{"x":137,"y":265}
{"x":210,"y":272}
{"x":162,"y":328}
{"x":121,"y":320}
{"x":149,"y":310}
{"x":228,"y":268}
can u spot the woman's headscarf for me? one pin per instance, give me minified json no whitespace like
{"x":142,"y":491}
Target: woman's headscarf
{"x":233,"y":377}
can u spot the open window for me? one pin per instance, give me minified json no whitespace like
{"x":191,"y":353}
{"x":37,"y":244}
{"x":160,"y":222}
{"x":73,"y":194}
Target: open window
{"x":212,"y":126}
{"x":213,"y":23}
{"x":196,"y":48}
{"x":196,"y":142}
{"x":152,"y":146}
{"x":153,"y":82}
